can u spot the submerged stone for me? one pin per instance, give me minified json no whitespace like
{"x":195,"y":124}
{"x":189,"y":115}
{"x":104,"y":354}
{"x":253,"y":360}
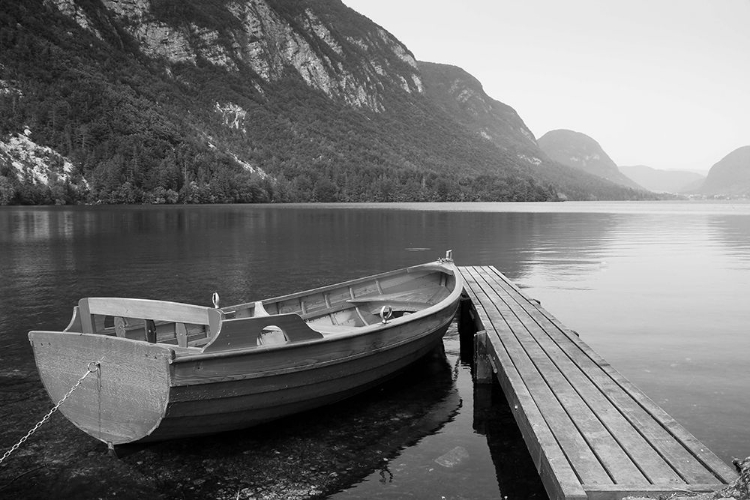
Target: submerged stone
{"x":453,"y":458}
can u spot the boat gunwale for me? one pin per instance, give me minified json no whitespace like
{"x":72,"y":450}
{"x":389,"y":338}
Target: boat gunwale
{"x":196,"y":354}
{"x":447,"y":267}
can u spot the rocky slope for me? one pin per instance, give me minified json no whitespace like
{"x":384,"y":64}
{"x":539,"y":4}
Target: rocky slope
{"x":663,"y":181}
{"x":39,"y":165}
{"x":255,"y":100}
{"x":580,"y":151}
{"x":266,"y":37}
{"x":461,"y":96}
{"x":730,"y":176}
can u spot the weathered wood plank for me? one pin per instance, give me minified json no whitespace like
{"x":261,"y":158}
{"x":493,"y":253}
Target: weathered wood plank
{"x":580,"y":452}
{"x":315,"y":300}
{"x":150,"y":331}
{"x":621,"y":491}
{"x":672,"y":450}
{"x":125,"y":397}
{"x":573,"y":381}
{"x":182,"y":334}
{"x":567,"y":398}
{"x":691,"y":458}
{"x":426,"y":295}
{"x":552,"y":462}
{"x":147,"y":309}
{"x":484,"y":371}
{"x":556,"y":472}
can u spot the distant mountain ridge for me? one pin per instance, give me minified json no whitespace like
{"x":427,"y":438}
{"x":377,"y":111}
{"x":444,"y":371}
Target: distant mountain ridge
{"x":199,"y":101}
{"x":730,"y":176}
{"x":578,"y":150}
{"x":663,"y":181}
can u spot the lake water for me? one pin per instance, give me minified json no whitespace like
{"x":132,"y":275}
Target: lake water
{"x":660,"y":290}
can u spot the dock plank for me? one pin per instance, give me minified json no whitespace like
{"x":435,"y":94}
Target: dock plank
{"x":597,"y":450}
{"x":641,"y":405}
{"x":583,"y":422}
{"x":680,"y":458}
{"x":571,"y":378}
{"x":551,"y":461}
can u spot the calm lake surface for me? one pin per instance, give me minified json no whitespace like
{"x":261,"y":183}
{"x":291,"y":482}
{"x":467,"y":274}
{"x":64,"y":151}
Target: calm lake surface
{"x":660,"y":290}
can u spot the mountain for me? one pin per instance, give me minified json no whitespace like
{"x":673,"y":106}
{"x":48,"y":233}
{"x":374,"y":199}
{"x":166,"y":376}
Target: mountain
{"x":663,"y":181}
{"x":730,"y":176}
{"x":213,"y":101}
{"x":461,"y":96}
{"x":580,"y":151}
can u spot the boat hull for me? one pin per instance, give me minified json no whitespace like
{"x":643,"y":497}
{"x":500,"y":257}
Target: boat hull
{"x":141,"y":391}
{"x":213,"y":406}
{"x":156,"y":398}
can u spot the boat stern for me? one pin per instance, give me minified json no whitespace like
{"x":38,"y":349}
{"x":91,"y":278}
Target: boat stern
{"x":122,"y":400}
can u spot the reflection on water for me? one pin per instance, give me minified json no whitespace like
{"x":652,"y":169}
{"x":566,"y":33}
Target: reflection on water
{"x":30,"y":224}
{"x":357,"y":438}
{"x":658,"y":289}
{"x":478,"y":453}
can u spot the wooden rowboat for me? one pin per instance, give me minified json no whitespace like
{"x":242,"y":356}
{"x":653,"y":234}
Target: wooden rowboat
{"x":163,"y":370}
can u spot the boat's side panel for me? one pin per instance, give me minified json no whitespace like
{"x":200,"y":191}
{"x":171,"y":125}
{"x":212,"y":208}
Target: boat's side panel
{"x":264,"y":361}
{"x":213,"y":395}
{"x":222,"y":406}
{"x":124,"y":397}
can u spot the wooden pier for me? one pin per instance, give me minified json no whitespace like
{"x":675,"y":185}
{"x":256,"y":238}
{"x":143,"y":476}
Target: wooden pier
{"x":592,"y":433}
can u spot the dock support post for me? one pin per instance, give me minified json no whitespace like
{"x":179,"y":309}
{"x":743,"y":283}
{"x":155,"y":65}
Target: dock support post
{"x":483,"y":369}
{"x":467,"y":327}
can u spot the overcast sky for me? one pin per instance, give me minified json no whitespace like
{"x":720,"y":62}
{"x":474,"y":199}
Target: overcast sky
{"x":663,"y":83}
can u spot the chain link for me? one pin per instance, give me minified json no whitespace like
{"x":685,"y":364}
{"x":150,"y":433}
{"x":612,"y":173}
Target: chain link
{"x":13,"y":448}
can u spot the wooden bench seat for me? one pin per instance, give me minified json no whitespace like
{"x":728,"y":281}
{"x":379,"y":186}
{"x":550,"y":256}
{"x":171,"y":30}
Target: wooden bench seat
{"x":151,"y":320}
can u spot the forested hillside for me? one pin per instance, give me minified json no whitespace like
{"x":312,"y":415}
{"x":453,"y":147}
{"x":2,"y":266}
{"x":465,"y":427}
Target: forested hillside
{"x":213,"y":101}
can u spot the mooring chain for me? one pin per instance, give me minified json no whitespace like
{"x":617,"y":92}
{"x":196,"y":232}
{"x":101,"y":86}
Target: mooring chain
{"x":95,"y":365}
